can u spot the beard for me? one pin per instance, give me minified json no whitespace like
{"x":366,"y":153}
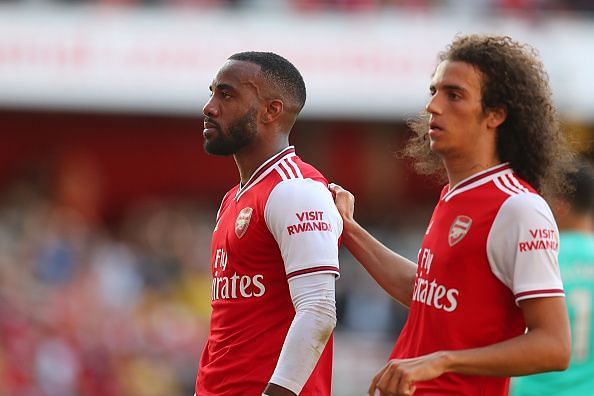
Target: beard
{"x":237,"y":136}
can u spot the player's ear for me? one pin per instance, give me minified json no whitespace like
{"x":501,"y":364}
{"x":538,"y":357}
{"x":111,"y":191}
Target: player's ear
{"x":496,"y":116}
{"x":274,"y":108}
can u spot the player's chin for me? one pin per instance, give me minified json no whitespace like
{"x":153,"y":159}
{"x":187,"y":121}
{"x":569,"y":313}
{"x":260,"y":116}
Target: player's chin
{"x":216,"y":147}
{"x":435,"y":146}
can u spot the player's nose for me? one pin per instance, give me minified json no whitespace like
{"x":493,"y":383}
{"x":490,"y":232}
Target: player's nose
{"x":210,"y":109}
{"x":433,"y":106}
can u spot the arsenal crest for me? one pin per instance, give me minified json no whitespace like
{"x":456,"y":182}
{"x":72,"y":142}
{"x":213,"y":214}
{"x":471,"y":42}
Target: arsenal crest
{"x":243,"y":221}
{"x":458,"y":230}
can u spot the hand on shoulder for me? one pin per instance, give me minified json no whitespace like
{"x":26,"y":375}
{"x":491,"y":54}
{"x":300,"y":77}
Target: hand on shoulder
{"x":344,"y":201}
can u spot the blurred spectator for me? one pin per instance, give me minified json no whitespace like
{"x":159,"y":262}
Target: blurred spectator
{"x":81,"y":311}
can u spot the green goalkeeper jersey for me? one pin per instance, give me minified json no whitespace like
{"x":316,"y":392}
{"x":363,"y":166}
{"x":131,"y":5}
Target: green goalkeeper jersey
{"x":576,"y":260}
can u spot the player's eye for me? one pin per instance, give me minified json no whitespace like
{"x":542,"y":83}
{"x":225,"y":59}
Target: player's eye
{"x":453,"y":96}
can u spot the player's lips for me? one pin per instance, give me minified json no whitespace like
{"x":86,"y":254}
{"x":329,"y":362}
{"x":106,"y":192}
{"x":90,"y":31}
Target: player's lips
{"x":434,"y":128}
{"x":210,"y":128}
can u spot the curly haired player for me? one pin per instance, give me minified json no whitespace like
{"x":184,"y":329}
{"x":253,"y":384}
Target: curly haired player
{"x":486,"y":298}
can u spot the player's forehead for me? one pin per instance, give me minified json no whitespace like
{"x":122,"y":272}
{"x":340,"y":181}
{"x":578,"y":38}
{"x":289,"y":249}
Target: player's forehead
{"x":457,"y":74}
{"x":236,"y":74}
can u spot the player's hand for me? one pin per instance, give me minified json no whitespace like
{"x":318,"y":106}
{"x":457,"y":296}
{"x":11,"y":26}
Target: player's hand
{"x":398,"y":376}
{"x":344,"y":201}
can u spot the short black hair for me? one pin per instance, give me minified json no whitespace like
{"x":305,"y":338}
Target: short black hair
{"x":279,"y":71}
{"x":580,"y":195}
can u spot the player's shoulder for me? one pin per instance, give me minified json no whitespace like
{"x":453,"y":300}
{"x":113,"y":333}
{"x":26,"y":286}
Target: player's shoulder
{"x":524,"y":203}
{"x":305,"y":186}
{"x":512,"y":193}
{"x":308,"y":170}
{"x":229,"y":195}
{"x":300,"y":189}
{"x":525,"y":210}
{"x":291,"y":172}
{"x":285,"y":171}
{"x":303,"y":197}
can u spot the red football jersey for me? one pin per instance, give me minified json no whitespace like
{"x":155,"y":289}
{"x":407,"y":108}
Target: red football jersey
{"x":491,"y":242}
{"x":281,"y":224}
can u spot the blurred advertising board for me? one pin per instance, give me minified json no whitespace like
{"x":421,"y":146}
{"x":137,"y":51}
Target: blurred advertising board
{"x":356,"y":66}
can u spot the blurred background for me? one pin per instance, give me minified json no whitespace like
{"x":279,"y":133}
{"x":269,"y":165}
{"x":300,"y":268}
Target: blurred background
{"x":107,"y":200}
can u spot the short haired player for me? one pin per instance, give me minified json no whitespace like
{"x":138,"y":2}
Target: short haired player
{"x":274,"y":255}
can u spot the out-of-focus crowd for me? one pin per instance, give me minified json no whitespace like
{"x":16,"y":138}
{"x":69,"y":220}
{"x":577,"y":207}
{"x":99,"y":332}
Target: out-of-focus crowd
{"x":89,"y":311}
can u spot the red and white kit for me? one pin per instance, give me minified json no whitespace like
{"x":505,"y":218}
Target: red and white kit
{"x":491,"y":242}
{"x":281,"y":225}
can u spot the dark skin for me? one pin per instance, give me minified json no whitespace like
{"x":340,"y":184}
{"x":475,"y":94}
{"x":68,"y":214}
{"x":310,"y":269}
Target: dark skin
{"x":236,"y":90}
{"x":275,"y":390}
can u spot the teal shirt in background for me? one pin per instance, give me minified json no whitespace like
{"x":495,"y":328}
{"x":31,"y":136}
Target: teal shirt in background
{"x":576,"y":260}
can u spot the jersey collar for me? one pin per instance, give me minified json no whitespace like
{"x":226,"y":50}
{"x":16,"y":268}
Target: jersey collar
{"x":477,"y":179}
{"x":265,"y":169}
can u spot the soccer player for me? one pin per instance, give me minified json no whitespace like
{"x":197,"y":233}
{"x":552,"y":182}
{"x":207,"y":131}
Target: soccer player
{"x":573,"y":211}
{"x":275,"y":243}
{"x":487,"y":269}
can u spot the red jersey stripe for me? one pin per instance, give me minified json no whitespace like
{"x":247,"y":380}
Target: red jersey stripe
{"x":282,"y":169}
{"x":288,"y":170}
{"x":289,"y":161}
{"x":311,"y":270}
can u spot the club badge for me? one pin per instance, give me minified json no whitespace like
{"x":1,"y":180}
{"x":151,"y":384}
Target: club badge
{"x":459,"y":229}
{"x":243,"y":221}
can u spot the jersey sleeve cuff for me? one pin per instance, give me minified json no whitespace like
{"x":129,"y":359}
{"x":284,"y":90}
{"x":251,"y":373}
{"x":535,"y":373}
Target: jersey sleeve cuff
{"x":526,"y":295}
{"x":319,"y":269}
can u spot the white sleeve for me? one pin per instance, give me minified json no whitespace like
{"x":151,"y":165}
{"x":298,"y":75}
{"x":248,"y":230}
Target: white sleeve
{"x":522,"y":248}
{"x":302,"y":217}
{"x":315,"y":318}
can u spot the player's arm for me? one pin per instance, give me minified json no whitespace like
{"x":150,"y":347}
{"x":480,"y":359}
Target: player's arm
{"x":315,"y":318}
{"x":544,"y":347}
{"x":522,"y":248}
{"x":301,"y":216}
{"x":522,"y":252}
{"x":394,"y":273}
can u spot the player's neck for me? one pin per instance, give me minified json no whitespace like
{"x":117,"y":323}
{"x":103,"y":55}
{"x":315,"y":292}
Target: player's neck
{"x":461,"y":168}
{"x":250,"y":158}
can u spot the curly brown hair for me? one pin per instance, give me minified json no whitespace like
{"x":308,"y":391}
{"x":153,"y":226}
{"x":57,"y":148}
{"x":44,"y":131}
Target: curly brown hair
{"x":513,"y":78}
